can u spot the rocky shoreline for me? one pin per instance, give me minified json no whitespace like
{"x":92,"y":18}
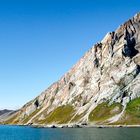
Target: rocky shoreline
{"x":84,"y":126}
{"x":77,"y":126}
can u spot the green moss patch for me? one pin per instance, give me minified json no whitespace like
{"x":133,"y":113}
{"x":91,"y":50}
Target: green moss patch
{"x":30,"y":116}
{"x":76,"y":118}
{"x":105,"y":111}
{"x":60,"y":115}
{"x":133,"y":108}
{"x":128,"y":119}
{"x":132,"y":113}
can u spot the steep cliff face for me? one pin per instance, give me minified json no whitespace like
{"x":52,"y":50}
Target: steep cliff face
{"x":102,"y":88}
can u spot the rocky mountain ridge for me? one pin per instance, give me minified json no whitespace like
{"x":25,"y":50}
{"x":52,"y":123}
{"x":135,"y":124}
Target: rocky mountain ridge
{"x":4,"y":111}
{"x":102,"y":88}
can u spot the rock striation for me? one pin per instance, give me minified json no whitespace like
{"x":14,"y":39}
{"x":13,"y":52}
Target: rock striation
{"x":102,"y":88}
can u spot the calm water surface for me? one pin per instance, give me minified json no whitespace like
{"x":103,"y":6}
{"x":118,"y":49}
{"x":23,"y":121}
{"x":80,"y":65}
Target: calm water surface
{"x":28,"y":133}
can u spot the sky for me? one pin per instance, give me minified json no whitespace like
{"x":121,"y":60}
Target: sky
{"x":40,"y":40}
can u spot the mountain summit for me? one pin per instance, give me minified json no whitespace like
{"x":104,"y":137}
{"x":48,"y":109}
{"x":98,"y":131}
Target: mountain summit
{"x":102,"y":88}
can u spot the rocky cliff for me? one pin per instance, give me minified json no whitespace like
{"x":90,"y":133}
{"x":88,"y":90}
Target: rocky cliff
{"x":102,"y":88}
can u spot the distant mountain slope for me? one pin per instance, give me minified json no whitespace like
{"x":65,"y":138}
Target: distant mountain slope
{"x":5,"y":114}
{"x":102,"y":88}
{"x":4,"y":111}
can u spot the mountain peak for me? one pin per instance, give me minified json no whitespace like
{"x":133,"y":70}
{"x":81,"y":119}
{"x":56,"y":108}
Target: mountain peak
{"x":101,"y":88}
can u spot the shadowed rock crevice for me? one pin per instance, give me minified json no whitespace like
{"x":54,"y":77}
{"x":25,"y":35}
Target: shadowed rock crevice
{"x":36,"y":103}
{"x":71,"y":85}
{"x":96,"y":62}
{"x":129,"y":45}
{"x":137,"y":71}
{"x":97,"y":54}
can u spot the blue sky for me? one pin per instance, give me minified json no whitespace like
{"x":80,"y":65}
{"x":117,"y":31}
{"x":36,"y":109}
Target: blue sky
{"x":41,"y":40}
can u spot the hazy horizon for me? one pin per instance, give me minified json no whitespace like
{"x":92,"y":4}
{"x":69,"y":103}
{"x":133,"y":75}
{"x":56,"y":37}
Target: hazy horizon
{"x":41,"y":40}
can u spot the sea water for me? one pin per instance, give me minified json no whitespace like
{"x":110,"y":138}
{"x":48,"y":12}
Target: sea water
{"x":29,"y":133}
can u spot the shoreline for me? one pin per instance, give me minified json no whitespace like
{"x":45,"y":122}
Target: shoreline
{"x":89,"y":126}
{"x":75,"y":126}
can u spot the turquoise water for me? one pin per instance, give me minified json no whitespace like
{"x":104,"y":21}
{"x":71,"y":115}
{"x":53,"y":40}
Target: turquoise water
{"x":28,"y":133}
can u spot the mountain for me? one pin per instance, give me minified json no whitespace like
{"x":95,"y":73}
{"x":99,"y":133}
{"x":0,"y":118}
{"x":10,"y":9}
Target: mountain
{"x":4,"y":111}
{"x":102,"y":88}
{"x":5,"y":114}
